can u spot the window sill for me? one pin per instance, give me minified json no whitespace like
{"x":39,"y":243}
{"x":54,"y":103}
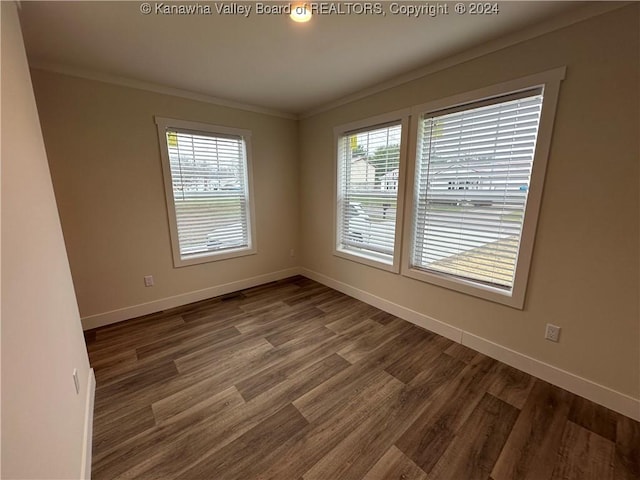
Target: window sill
{"x":369,"y":260}
{"x":208,"y":257}
{"x":513,"y":298}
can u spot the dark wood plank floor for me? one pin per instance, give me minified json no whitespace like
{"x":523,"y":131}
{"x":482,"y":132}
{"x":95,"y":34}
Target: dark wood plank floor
{"x":293,"y":380}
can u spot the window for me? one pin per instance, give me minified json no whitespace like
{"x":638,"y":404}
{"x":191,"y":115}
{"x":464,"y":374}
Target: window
{"x":208,"y":189}
{"x":473,"y":219}
{"x":369,"y":187}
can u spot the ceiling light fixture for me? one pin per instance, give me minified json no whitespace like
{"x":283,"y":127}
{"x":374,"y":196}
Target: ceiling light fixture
{"x":300,"y":12}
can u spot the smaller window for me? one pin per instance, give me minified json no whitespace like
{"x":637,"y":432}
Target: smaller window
{"x":207,"y":183}
{"x":369,"y":174}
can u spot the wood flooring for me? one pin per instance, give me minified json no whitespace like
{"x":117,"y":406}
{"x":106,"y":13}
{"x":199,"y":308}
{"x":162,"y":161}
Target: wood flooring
{"x":293,"y":380}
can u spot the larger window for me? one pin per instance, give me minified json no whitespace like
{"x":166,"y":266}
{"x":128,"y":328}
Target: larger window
{"x":473,"y":173}
{"x":478,"y":173}
{"x":369,"y":190}
{"x":207,"y":180}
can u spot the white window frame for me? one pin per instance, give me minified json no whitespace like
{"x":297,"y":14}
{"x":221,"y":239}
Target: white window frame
{"x":207,"y":129}
{"x":550,"y":82}
{"x":401,"y":117}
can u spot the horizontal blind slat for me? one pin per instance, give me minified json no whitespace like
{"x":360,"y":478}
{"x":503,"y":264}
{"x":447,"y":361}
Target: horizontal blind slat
{"x":473,"y":170}
{"x":368,"y":166}
{"x":210,"y":191}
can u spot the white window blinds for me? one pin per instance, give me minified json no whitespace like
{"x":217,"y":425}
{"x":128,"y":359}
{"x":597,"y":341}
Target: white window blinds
{"x":210,"y":192}
{"x":368,"y":174}
{"x":473,"y":169}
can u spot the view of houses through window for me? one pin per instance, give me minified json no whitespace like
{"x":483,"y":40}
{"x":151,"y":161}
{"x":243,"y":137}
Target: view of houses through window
{"x":207,"y":174}
{"x":206,"y":169}
{"x":473,"y":170}
{"x":473,"y":165}
{"x":369,"y":163}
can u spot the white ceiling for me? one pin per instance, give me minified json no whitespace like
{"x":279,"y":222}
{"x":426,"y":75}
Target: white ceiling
{"x":263,"y":60}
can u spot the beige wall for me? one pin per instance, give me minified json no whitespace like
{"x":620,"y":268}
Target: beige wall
{"x":105,"y":162}
{"x":103,"y":150}
{"x":42,"y":342}
{"x":584,"y":273}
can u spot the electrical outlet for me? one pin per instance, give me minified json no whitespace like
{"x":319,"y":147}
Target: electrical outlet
{"x":148,"y":280}
{"x":292,"y":253}
{"x":76,"y":381}
{"x":552,"y":333}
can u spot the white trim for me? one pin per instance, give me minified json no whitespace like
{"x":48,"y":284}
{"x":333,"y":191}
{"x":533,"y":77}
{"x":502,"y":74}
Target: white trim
{"x":583,"y":387}
{"x":163,"y":125}
{"x":114,"y":316}
{"x":363,"y":258}
{"x":462,"y":285}
{"x":203,"y":127}
{"x":556,"y":23}
{"x":371,"y":122}
{"x":156,"y":88}
{"x":520,"y":84}
{"x":405,"y":313}
{"x":87,"y":443}
{"x":550,"y":81}
{"x":401,"y":116}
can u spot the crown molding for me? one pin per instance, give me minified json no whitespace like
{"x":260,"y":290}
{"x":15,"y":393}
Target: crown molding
{"x":561,"y":21}
{"x":592,"y":9}
{"x":156,"y":88}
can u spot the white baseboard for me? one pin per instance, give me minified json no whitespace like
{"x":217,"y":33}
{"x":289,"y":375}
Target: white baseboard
{"x":583,"y":387}
{"x":87,"y":444}
{"x":114,"y":316}
{"x":405,"y":313}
